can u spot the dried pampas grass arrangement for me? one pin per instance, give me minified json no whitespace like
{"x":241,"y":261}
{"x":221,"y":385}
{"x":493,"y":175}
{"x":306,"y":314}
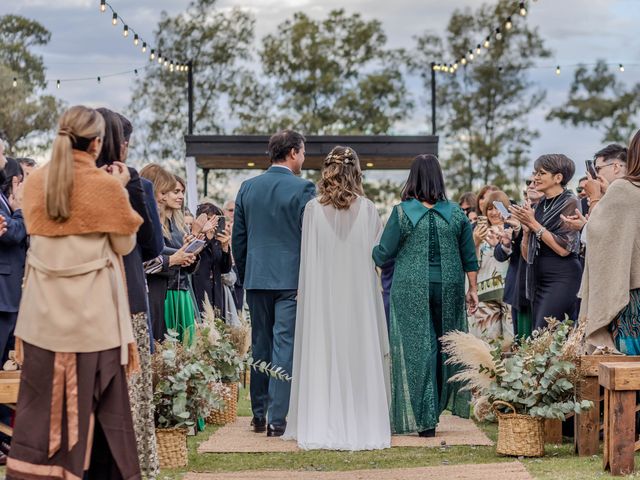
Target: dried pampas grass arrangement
{"x":473,"y":355}
{"x":240,"y":336}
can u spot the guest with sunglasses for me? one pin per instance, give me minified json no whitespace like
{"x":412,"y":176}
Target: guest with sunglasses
{"x":549,"y":246}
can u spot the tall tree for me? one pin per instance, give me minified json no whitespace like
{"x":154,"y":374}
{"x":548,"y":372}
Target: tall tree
{"x":218,"y":42}
{"x":27,"y":116}
{"x":599,"y":99}
{"x":331,"y":76}
{"x":483,"y":107}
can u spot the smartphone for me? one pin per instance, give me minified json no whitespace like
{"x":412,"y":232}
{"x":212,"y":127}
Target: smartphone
{"x":221,"y":225}
{"x":502,"y":209}
{"x":482,"y":220}
{"x":591,"y":168}
{"x":195,"y":246}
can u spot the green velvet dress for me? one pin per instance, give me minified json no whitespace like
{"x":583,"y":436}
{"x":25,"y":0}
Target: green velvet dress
{"x":433,"y":248}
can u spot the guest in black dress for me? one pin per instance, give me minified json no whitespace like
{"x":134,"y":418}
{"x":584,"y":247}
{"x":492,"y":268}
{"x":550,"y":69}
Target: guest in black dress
{"x":215,"y":260}
{"x":550,"y":248}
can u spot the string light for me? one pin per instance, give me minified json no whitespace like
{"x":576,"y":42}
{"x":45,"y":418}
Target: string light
{"x":159,"y":58}
{"x":153,"y":54}
{"x":558,"y":70}
{"x":498,"y":34}
{"x":523,"y":10}
{"x":508,"y":24}
{"x":15,"y":82}
{"x":478,"y":50}
{"x":621,"y":67}
{"x":463,"y":61}
{"x":58,"y":84}
{"x":487,"y":42}
{"x":470,"y":56}
{"x":171,"y":66}
{"x":99,"y":80}
{"x":103,"y":5}
{"x":114,"y":20}
{"x":125,"y":32}
{"x":136,"y":40}
{"x":144,"y":47}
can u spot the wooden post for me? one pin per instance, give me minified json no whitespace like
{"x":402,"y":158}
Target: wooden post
{"x":621,"y":381}
{"x":587,"y":424}
{"x":552,"y":431}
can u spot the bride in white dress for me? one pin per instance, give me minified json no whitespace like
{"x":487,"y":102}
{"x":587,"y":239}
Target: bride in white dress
{"x":340,"y":386}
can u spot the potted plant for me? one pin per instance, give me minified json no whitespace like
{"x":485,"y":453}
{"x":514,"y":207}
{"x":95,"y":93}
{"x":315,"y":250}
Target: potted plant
{"x":185,"y":389}
{"x":535,"y":381}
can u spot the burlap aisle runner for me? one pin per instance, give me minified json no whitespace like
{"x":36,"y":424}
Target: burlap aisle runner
{"x":239,"y":438}
{"x":487,"y":471}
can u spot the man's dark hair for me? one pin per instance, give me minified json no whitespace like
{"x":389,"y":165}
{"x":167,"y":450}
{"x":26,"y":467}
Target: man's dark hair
{"x":612,"y":152}
{"x":281,"y":143}
{"x":208,"y":208}
{"x":29,"y":162}
{"x":113,"y":138}
{"x":425,"y":182}
{"x":556,"y":163}
{"x":127,"y":128}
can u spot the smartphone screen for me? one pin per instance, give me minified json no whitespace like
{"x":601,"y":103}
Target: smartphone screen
{"x":502,"y":209}
{"x":590,"y":168}
{"x":221,"y":225}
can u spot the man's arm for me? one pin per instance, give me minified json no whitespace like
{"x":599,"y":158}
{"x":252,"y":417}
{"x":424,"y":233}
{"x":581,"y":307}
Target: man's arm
{"x":239,"y":237}
{"x":16,"y":231}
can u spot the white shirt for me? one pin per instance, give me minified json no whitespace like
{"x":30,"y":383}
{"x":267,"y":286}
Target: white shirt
{"x":282,"y":166}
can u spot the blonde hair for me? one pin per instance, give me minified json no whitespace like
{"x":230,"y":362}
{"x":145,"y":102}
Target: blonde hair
{"x":495,"y":196}
{"x":77,"y":123}
{"x":163,"y":182}
{"x":341,"y":178}
{"x":177,"y":215}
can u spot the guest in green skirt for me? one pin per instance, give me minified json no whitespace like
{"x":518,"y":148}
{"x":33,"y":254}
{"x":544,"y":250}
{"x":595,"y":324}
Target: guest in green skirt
{"x":430,"y":239}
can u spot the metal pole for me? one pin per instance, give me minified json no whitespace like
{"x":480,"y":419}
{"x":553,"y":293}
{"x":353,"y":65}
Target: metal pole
{"x":433,"y":98}
{"x":190,"y":99}
{"x":206,"y":182}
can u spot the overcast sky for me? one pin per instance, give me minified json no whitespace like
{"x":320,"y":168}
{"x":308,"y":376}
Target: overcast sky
{"x":85,"y":44}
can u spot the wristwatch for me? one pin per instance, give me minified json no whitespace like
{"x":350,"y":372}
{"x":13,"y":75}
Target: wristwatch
{"x":540,"y":232}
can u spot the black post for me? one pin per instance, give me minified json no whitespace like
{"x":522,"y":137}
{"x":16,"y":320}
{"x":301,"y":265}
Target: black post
{"x":190,"y":99}
{"x":433,"y":98}
{"x":206,"y":182}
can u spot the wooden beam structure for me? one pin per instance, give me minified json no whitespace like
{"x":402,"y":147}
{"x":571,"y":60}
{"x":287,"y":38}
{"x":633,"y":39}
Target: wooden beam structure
{"x":242,"y":152}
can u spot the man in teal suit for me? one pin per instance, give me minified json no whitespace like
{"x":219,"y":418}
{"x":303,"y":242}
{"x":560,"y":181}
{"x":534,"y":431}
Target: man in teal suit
{"x":267,"y":231}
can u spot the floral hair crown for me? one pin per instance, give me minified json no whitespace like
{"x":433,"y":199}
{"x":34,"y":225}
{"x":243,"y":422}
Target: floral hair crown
{"x":346,"y":158}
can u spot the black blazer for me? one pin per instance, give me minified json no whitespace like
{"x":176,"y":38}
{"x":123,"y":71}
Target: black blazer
{"x":207,"y":279}
{"x":13,"y":253}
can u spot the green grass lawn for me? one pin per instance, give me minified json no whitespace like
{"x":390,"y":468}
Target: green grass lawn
{"x":559,"y":463}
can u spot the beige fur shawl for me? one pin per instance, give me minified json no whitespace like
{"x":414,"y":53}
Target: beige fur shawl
{"x":612,"y":265}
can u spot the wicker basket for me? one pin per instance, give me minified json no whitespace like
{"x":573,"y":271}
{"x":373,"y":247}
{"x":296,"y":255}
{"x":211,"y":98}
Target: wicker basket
{"x":519,"y":435}
{"x":172,"y":447}
{"x":229,"y":413}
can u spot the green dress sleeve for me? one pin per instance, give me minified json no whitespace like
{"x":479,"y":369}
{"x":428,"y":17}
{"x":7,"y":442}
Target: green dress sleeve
{"x":389,"y":242}
{"x":468,"y":248}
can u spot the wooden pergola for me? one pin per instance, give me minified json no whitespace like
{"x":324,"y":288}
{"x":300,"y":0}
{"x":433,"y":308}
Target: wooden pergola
{"x":242,"y":152}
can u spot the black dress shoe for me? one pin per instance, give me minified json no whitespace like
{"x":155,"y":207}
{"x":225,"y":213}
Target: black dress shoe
{"x":428,"y":433}
{"x":5,"y":447}
{"x":259,"y":424}
{"x":276,"y":430}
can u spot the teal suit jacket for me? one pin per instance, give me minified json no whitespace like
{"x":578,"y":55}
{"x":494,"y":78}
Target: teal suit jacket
{"x":267,"y":229}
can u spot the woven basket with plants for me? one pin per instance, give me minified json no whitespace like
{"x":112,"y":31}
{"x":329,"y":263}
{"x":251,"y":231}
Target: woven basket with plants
{"x":538,"y":379}
{"x":185,"y":389}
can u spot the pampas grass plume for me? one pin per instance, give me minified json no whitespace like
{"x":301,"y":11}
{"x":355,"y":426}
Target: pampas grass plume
{"x":470,"y":353}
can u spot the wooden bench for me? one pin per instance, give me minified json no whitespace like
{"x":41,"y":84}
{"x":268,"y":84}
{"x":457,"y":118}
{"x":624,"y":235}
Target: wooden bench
{"x":587,"y":425}
{"x":621,"y":382}
{"x":9,"y":388}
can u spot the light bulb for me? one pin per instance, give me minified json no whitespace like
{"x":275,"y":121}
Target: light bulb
{"x":508,"y":24}
{"x":523,"y":10}
{"x":159,"y":58}
{"x":621,"y":67}
{"x":58,"y":84}
{"x":114,"y":20}
{"x":166,"y":62}
{"x":455,"y":65}
{"x":144,"y":47}
{"x":558,"y":70}
{"x":487,"y":42}
{"x":99,"y":80}
{"x":136,"y":40}
{"x":186,"y":68}
{"x":15,"y":82}
{"x":103,"y":5}
{"x":171,"y":66}
{"x":153,"y":54}
{"x":125,"y":31}
{"x":498,"y":34}
{"x":470,"y":56}
{"x":463,"y":61}
{"x":478,"y":50}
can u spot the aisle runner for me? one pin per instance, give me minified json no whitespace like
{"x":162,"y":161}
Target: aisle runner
{"x":239,"y":438}
{"x":487,"y":471}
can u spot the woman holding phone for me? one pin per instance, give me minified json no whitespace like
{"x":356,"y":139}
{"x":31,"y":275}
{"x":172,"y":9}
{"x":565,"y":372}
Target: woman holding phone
{"x":492,"y":320}
{"x":215,"y":260}
{"x":550,"y":247}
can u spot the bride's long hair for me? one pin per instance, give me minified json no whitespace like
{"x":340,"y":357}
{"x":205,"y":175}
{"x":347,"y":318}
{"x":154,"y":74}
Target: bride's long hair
{"x":341,"y":178}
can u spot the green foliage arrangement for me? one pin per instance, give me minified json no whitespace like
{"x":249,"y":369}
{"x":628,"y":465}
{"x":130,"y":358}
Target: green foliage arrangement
{"x":539,"y":377}
{"x":185,"y":387}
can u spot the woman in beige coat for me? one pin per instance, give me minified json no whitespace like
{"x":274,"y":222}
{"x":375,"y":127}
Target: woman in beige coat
{"x":74,"y":328}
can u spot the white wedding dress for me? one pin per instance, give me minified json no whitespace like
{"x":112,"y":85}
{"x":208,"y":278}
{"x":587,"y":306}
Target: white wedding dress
{"x":340,"y":387}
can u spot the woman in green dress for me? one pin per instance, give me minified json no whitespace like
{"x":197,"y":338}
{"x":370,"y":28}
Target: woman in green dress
{"x":431,"y":240}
